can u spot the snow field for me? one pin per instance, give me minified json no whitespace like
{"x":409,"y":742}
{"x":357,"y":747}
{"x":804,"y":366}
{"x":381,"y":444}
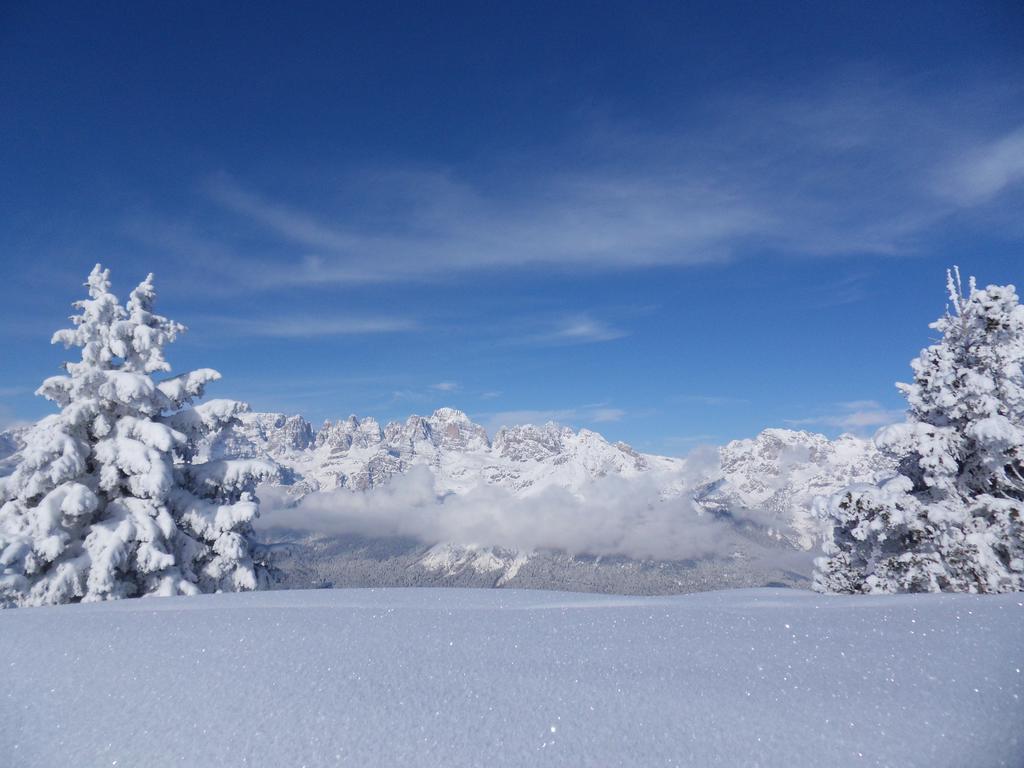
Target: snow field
{"x":425,"y":677}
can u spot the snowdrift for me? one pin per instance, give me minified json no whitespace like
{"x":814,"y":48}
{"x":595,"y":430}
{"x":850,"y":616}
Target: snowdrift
{"x":426,"y":677}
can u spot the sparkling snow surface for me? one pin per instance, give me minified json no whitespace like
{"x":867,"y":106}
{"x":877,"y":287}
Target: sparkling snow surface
{"x":428,"y":677}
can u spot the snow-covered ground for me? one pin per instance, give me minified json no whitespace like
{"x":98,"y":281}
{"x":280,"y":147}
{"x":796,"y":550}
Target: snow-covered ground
{"x":425,"y":677}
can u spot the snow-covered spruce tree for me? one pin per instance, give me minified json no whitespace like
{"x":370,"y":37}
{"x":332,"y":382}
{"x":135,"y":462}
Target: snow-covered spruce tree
{"x":951,"y":520}
{"x":107,"y":502}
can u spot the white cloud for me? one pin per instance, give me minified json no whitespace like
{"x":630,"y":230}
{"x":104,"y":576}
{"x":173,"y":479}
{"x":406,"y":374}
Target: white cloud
{"x":582,"y":328}
{"x":289,"y":327}
{"x":710,"y":399}
{"x":292,"y":224}
{"x":527,"y":416}
{"x":860,"y":405}
{"x":688,"y":440}
{"x":987,"y":170}
{"x":585,"y":329}
{"x":446,"y":386}
{"x":863,"y":166}
{"x":604,"y":415}
{"x":413,"y":395}
{"x":445,"y":226}
{"x":613,"y":516}
{"x":552,"y":330}
{"x":598,"y":413}
{"x":854,"y":416}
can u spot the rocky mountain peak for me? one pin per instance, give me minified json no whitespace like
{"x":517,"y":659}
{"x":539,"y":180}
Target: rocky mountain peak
{"x":349,"y":433}
{"x":769,"y":481}
{"x":281,"y":433}
{"x":449,"y":415}
{"x":412,"y":437}
{"x":781,"y":471}
{"x":452,"y":430}
{"x":528,"y":442}
{"x":446,"y":429}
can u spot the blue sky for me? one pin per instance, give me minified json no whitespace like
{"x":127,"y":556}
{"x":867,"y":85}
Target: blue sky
{"x":672,"y":224}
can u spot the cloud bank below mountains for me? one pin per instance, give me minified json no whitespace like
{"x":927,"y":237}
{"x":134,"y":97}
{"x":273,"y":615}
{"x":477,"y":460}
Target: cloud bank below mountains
{"x":613,"y":516}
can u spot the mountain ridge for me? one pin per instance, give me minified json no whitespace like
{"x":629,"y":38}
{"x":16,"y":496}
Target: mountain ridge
{"x":761,"y":488}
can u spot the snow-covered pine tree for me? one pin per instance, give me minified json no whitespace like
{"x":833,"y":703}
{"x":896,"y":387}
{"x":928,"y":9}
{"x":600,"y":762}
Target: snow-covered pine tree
{"x":952,"y":517}
{"x":107,"y":501}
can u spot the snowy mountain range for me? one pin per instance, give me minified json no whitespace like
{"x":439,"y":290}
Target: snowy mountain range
{"x":774,"y":478}
{"x":762,"y":490}
{"x":358,"y":454}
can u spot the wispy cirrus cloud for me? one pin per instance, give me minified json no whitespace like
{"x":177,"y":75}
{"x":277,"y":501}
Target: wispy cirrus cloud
{"x":709,"y":399}
{"x":605,"y":415}
{"x":856,"y":416}
{"x":597,"y":413}
{"x":308,"y":326}
{"x":986,"y":171}
{"x":576,"y":329}
{"x":866,"y":165}
{"x":553,"y":330}
{"x":684,"y":444}
{"x":291,"y":223}
{"x":583,"y":329}
{"x":447,"y":225}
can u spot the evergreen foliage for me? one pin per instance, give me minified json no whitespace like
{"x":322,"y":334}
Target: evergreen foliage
{"x":111,"y":498}
{"x":951,"y":520}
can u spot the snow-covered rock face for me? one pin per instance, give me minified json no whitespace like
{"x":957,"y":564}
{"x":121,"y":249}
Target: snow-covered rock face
{"x":770,"y":480}
{"x":358,"y":454}
{"x":781,"y":461}
{"x":766,"y":485}
{"x":529,"y":442}
{"x":584,"y":453}
{"x":779,"y":473}
{"x":452,"y":430}
{"x":341,"y":436}
{"x":447,"y":429}
{"x":281,"y":432}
